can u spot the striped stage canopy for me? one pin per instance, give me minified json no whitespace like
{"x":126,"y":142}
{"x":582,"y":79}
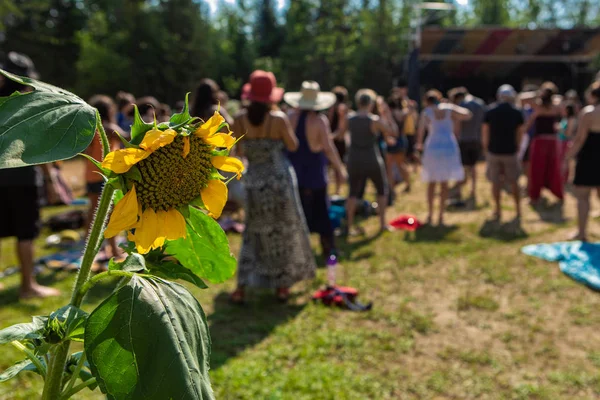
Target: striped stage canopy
{"x":497,"y":53}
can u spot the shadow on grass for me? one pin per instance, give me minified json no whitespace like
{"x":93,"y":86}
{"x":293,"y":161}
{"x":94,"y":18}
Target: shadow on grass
{"x":236,"y":328}
{"x":349,"y":247}
{"x":551,"y":213}
{"x":507,"y":232}
{"x":430,"y":233}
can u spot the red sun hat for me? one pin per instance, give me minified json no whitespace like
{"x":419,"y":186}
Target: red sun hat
{"x":262,"y":88}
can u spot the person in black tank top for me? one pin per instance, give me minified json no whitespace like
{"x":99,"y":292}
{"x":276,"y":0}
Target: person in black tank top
{"x":586,"y":147}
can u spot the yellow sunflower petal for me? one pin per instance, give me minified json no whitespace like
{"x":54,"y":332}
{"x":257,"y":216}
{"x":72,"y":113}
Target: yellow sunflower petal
{"x":174,"y":225}
{"x":211,"y":126}
{"x":156,"y":139}
{"x":214,"y":197}
{"x":186,"y":146}
{"x":120,"y":161}
{"x":228,"y":164}
{"x":124,"y":216}
{"x":147,"y":232}
{"x":221,"y":140}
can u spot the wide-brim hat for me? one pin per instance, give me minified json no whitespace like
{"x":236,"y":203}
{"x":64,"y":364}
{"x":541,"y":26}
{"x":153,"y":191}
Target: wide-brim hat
{"x":310,"y":97}
{"x":262,"y":88}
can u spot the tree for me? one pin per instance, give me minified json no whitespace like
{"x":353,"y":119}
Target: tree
{"x":267,"y":31}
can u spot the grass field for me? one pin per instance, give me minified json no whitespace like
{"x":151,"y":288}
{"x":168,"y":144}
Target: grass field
{"x":458,"y":313}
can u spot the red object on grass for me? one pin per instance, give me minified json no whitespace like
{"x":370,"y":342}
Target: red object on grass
{"x":406,"y":222}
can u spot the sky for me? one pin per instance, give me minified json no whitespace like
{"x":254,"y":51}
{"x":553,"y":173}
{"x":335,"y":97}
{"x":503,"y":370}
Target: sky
{"x":213,"y":4}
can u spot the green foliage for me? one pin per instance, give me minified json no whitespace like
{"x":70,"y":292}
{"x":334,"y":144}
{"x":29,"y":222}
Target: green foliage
{"x":48,"y":124}
{"x":24,"y":331}
{"x":150,"y":340}
{"x":21,"y":366}
{"x":205,"y":250}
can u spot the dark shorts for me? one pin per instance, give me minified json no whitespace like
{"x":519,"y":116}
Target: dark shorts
{"x":469,"y":153}
{"x":358,"y":180}
{"x":400,"y":146}
{"x":95,"y":187}
{"x":20,"y":212}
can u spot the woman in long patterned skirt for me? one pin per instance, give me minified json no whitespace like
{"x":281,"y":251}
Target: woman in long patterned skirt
{"x":276,"y":250}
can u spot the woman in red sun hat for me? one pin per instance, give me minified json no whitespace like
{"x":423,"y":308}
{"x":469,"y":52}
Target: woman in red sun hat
{"x":275,"y":251}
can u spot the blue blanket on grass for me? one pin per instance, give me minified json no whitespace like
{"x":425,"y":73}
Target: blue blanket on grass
{"x":578,"y":260}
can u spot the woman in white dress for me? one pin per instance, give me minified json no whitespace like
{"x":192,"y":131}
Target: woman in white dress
{"x":441,"y":154}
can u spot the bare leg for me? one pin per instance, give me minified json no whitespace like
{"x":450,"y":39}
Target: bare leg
{"x":338,"y":184}
{"x":401,"y":162}
{"x":29,"y":287}
{"x":583,"y":210}
{"x":496,"y":191}
{"x":517,"y":198}
{"x":350,"y":210}
{"x":430,"y":199}
{"x":473,"y":174}
{"x":443,"y":199}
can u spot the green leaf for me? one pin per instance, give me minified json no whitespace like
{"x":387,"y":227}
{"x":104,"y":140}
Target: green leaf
{"x":66,"y":323}
{"x":133,"y":263}
{"x":25,"y":365}
{"x":43,"y":126}
{"x":149,"y":340}
{"x":205,"y":250}
{"x":31,"y":330}
{"x":139,"y":127}
{"x":134,"y":174}
{"x":172,"y":270}
{"x":183,"y":116}
{"x":37,"y":85}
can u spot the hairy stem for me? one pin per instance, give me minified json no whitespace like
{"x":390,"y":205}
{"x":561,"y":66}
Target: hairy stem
{"x":36,"y":361}
{"x":103,"y":137}
{"x":54,"y":378}
{"x":91,"y":282}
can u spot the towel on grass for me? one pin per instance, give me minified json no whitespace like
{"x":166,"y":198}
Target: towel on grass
{"x":578,"y":260}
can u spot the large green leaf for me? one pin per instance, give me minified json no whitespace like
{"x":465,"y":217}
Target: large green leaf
{"x":31,"y":330}
{"x":45,"y":125}
{"x":149,"y":340}
{"x":172,"y":270}
{"x":205,"y":250}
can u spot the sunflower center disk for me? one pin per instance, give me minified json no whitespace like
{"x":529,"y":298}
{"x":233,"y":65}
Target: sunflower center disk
{"x":171,"y":181}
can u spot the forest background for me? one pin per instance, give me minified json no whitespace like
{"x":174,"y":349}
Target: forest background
{"x":163,"y":47}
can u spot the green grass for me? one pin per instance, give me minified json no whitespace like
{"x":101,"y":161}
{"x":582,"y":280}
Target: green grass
{"x":459,"y":313}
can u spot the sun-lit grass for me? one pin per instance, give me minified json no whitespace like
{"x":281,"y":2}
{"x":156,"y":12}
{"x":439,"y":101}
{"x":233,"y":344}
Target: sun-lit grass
{"x":458,"y":313}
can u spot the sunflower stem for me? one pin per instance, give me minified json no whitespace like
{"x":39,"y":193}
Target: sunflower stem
{"x":92,"y":282}
{"x":54,"y":377}
{"x":103,"y":137}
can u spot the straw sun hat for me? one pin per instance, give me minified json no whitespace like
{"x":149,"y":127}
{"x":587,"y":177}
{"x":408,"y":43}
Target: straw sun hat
{"x":310,"y":97}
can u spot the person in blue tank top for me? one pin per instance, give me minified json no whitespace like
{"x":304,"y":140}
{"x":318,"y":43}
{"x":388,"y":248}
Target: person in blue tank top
{"x":315,"y":149}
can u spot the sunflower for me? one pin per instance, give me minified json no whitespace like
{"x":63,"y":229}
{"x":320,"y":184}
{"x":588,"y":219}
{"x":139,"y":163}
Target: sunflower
{"x":173,"y":167}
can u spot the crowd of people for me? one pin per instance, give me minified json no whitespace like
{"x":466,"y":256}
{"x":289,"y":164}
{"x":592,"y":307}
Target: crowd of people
{"x":294,"y":141}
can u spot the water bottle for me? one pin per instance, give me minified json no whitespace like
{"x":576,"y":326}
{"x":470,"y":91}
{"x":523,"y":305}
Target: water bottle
{"x":331,"y":266}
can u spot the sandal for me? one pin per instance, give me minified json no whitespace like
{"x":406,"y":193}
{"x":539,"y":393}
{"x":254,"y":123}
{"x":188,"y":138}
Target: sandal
{"x":283,"y":295}
{"x":237,"y":297}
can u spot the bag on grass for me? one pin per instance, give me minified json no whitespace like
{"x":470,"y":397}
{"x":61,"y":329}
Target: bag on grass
{"x":341,"y":296}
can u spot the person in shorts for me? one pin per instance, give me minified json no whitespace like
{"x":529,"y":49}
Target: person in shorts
{"x":469,"y":137}
{"x":21,"y":194}
{"x":501,"y":135}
